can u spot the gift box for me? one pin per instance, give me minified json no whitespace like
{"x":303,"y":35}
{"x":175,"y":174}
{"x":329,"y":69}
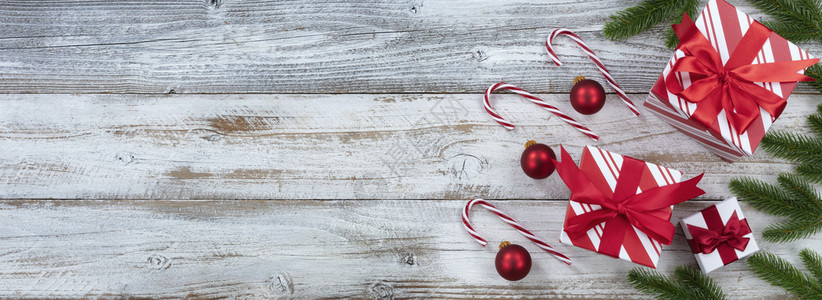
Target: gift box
{"x":621,"y":206}
{"x":728,"y":80}
{"x":719,"y":235}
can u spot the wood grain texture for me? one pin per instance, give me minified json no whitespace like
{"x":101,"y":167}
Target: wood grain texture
{"x":324,"y":146}
{"x":311,"y":249}
{"x":328,"y":46}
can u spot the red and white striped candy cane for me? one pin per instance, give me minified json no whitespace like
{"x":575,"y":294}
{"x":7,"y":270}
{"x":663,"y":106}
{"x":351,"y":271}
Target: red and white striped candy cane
{"x":535,"y":100}
{"x":541,"y":244}
{"x":562,"y":31}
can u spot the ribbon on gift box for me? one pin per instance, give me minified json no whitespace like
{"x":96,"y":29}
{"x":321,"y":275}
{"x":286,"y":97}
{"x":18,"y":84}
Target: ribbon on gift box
{"x":625,"y":207}
{"x":723,"y":238}
{"x":730,"y":86}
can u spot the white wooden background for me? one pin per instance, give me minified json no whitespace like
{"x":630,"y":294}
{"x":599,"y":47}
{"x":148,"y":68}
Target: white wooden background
{"x":239,"y":148}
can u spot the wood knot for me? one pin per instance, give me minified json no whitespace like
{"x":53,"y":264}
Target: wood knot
{"x":414,"y":8}
{"x":280,"y":284}
{"x":409,"y":259}
{"x":124,"y":157}
{"x":215,"y":4}
{"x":381,"y":291}
{"x":159,"y":262}
{"x":479,"y":54}
{"x":467,"y":166}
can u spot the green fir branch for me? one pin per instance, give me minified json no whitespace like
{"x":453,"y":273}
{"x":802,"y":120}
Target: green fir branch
{"x":763,"y":196}
{"x":792,"y":146}
{"x":796,"y":20}
{"x":811,"y":171}
{"x":693,"y":278}
{"x":644,"y":16}
{"x":813,"y":262}
{"x":779,"y":272}
{"x":688,"y":283}
{"x":794,"y":199}
{"x":815,"y":120}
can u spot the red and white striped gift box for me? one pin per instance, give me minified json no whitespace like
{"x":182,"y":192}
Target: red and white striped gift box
{"x":714,"y":218}
{"x":723,"y":25}
{"x":603,"y":169}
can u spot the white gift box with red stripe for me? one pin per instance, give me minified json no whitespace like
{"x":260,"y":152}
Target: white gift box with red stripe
{"x":716,"y":217}
{"x":723,"y":25}
{"x":603,"y":169}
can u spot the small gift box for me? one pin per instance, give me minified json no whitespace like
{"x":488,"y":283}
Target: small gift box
{"x":728,"y":81}
{"x":621,"y":206}
{"x":719,"y":235}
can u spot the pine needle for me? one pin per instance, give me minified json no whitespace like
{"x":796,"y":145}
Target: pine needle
{"x":692,"y":278}
{"x":793,"y":147}
{"x":815,"y":72}
{"x":644,"y":16}
{"x":764,"y":196}
{"x":690,"y":283}
{"x":813,"y":262}
{"x":779,"y":272}
{"x":811,"y":171}
{"x":796,"y":20}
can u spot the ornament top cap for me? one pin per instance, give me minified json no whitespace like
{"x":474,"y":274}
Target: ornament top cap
{"x":578,"y":79}
{"x":530,"y":143}
{"x":504,"y":244}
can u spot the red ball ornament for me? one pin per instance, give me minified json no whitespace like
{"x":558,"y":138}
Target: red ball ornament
{"x":587,"y":96}
{"x":536,"y":160}
{"x":513,"y":261}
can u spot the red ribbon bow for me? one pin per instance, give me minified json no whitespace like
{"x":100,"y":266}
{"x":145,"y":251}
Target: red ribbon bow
{"x":731,"y":86}
{"x":648,"y":211}
{"x":732,"y":234}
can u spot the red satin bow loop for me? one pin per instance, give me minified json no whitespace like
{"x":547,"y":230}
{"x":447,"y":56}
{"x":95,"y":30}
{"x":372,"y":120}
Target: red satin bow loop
{"x":732,"y":234}
{"x":730,"y":86}
{"x":646,"y":211}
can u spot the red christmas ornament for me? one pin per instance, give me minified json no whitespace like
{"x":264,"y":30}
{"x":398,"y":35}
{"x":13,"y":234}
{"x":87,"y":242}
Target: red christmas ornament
{"x":536,"y":160}
{"x":587,"y":96}
{"x":513,"y":261}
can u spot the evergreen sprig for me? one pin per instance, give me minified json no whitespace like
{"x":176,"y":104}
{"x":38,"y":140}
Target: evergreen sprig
{"x":646,"y":15}
{"x":796,"y":20}
{"x":781,"y":273}
{"x":794,"y":199}
{"x":687,"y":283}
{"x":804,"y":150}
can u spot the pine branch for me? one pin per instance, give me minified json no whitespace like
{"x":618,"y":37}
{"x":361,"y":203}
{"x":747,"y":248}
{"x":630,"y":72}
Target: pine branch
{"x":815,"y":72}
{"x":779,"y":272}
{"x":796,"y":20}
{"x":794,"y":147}
{"x":815,"y":120}
{"x":643,"y":16}
{"x":671,"y":40}
{"x":693,"y":278}
{"x":811,"y":171}
{"x":795,"y":199}
{"x":690,"y":283}
{"x":763,"y":196}
{"x":813,"y":262}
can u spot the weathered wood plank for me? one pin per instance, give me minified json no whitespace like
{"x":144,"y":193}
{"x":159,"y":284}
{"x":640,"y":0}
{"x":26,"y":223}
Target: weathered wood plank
{"x":322,"y":146}
{"x":310,"y":249}
{"x":375,"y":46}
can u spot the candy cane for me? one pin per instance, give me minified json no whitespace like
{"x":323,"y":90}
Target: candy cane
{"x":535,"y":100}
{"x":562,"y":31}
{"x":541,"y":244}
